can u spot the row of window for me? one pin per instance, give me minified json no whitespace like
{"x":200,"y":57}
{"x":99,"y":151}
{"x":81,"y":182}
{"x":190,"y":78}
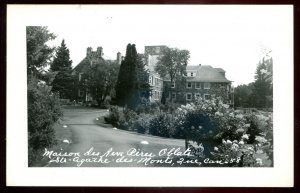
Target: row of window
{"x":189,"y":96}
{"x":206,"y":85}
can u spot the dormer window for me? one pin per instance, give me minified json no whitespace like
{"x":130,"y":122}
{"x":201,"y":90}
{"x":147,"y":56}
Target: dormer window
{"x":173,"y":84}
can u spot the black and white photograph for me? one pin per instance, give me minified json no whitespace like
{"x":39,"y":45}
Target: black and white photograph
{"x":139,"y":86}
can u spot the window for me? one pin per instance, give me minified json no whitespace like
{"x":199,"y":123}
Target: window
{"x":150,"y":80}
{"x":206,"y":85}
{"x":198,"y":85}
{"x":80,"y":76}
{"x":197,"y":96}
{"x":173,"y":95}
{"x":206,"y":96}
{"x":192,"y":74}
{"x":173,"y":84}
{"x":157,"y":82}
{"x":188,"y":96}
{"x":80,"y":93}
{"x":188,"y":85}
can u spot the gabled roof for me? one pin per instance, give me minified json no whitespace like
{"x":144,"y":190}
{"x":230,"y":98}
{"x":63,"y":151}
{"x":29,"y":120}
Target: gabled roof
{"x":206,"y":73}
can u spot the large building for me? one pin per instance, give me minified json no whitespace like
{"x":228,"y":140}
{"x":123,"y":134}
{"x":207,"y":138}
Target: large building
{"x":80,"y":91}
{"x":200,"y":81}
{"x":156,"y":82}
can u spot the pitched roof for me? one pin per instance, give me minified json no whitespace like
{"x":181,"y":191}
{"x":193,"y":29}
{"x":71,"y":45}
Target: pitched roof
{"x":85,"y":64}
{"x":188,"y":67}
{"x":206,"y":73}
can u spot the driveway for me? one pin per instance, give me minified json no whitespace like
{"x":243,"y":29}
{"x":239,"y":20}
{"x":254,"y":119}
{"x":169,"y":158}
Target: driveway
{"x":93,"y":143}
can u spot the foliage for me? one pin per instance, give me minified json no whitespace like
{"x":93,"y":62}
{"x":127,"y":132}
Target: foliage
{"x":263,"y":89}
{"x":160,"y":125}
{"x":258,"y":94}
{"x":242,"y":95}
{"x":132,"y":83}
{"x":62,"y":65}
{"x":101,"y":79}
{"x":43,"y":112}
{"x":172,"y":64}
{"x":43,"y":105}
{"x":141,"y":125}
{"x":39,"y":54}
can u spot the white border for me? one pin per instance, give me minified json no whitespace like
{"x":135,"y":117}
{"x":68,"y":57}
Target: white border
{"x":18,"y":174}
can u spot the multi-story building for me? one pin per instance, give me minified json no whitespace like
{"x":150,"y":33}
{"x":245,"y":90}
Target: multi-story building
{"x":80,"y":91}
{"x":201,"y":81}
{"x":156,"y":82}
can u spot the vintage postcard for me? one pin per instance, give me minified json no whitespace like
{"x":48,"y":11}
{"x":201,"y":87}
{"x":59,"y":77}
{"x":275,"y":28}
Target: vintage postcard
{"x":140,"y":95}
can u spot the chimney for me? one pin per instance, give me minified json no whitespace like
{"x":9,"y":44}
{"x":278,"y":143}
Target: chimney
{"x":88,"y":51}
{"x":119,"y":58}
{"x":100,"y":51}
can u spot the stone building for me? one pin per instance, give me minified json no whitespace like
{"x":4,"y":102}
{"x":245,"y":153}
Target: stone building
{"x":80,"y":91}
{"x":156,"y":82}
{"x":201,"y":81}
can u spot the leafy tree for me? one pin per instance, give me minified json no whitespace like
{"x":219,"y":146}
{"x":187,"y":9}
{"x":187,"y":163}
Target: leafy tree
{"x":172,"y":64}
{"x":101,"y":80}
{"x":39,"y":53}
{"x":43,"y":106}
{"x":62,"y":66}
{"x":132,"y":83}
{"x":242,"y":95}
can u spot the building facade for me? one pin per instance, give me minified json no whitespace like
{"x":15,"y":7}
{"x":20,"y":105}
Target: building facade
{"x":151,"y":55}
{"x":81,"y":92}
{"x":200,"y":81}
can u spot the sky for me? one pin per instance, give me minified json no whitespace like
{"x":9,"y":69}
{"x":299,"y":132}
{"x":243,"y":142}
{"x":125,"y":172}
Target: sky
{"x":230,"y":37}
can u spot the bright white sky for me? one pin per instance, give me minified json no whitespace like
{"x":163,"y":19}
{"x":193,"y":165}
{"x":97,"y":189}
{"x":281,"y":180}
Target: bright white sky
{"x":228,"y":37}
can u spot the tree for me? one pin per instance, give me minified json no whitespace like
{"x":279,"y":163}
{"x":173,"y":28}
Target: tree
{"x":263,"y":89}
{"x":173,"y":64}
{"x":43,"y":106}
{"x":101,"y":80}
{"x":62,"y":67}
{"x":242,"y":95}
{"x":39,"y":53}
{"x":132,"y":83}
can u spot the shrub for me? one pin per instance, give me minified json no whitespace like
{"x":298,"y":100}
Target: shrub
{"x":114,"y":116}
{"x":43,"y":111}
{"x":160,"y":125}
{"x":141,"y":125}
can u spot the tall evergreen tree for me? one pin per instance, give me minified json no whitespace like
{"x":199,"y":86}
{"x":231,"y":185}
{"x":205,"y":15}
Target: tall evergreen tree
{"x":62,"y":66}
{"x":132,"y":82}
{"x":263,"y":90}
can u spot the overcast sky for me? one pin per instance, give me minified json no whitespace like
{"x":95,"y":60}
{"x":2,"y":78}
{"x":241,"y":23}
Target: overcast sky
{"x":225,"y":37}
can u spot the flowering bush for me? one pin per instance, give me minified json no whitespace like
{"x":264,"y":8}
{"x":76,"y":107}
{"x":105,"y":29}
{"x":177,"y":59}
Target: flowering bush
{"x":225,"y":133}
